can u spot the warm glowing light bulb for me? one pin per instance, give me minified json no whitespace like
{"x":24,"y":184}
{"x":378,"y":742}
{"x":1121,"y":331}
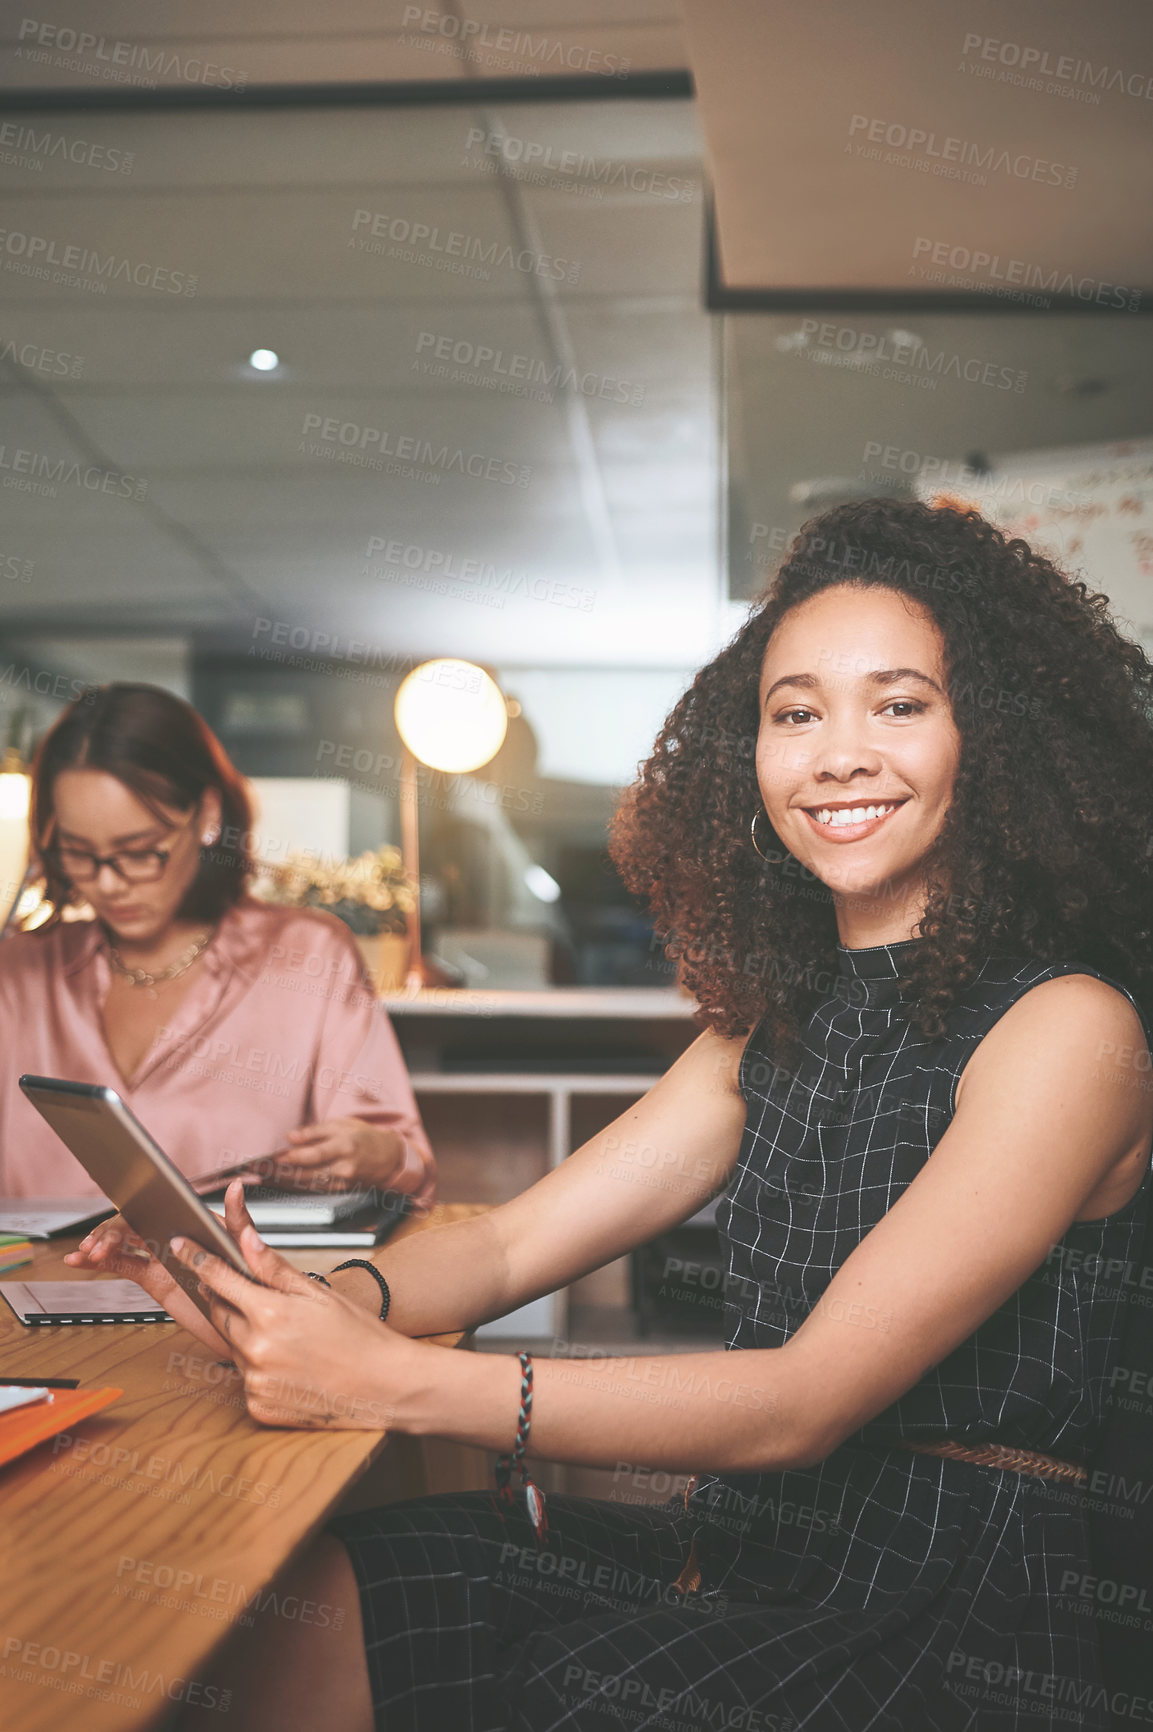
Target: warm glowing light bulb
{"x":14,"y":791}
{"x":542,"y":884}
{"x":451,"y":715}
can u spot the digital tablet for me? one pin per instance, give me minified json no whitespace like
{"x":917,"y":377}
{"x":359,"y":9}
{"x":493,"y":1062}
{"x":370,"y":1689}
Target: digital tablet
{"x":114,"y":1149}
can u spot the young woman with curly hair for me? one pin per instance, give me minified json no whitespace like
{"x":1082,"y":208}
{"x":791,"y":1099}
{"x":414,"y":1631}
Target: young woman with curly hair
{"x":899,"y":833}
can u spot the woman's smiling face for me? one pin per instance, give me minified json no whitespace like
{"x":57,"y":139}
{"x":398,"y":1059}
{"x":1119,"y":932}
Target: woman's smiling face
{"x":854,"y":715}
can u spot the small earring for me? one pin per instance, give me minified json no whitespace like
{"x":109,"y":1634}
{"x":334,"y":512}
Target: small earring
{"x":753,"y":837}
{"x":209,"y":837}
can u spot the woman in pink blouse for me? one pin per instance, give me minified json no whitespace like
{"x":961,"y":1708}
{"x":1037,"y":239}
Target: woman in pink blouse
{"x":233,"y":1029}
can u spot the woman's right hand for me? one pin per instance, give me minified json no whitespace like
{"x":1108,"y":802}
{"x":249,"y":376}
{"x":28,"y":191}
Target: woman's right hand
{"x":114,"y":1249}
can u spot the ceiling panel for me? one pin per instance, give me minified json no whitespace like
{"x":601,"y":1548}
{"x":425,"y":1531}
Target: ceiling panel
{"x":226,"y":63}
{"x":926,"y":125}
{"x":90,"y":150}
{"x":337,"y":500}
{"x":179,"y":19}
{"x":631,"y":245}
{"x":588,"y":372}
{"x":543,"y":15}
{"x":367,"y":344}
{"x":102,"y":565}
{"x":232,"y":46}
{"x":457,"y":244}
{"x":605,"y":51}
{"x":300,"y":430}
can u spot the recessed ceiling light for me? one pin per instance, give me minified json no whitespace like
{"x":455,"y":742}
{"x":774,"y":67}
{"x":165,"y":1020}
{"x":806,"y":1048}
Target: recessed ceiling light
{"x":264,"y":360}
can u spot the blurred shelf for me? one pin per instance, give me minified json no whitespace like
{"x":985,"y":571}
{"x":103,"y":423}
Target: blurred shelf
{"x":495,"y":1082}
{"x":501,"y":1075}
{"x":660,"y":1003}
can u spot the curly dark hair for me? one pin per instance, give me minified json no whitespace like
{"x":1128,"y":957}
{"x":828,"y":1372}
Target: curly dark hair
{"x":1046,"y":850}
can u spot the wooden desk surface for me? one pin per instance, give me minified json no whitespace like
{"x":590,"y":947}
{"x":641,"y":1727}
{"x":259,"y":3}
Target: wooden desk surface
{"x":174,"y":1483}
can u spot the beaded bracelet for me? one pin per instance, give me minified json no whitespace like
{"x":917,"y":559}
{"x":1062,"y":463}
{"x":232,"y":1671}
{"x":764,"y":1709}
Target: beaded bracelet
{"x":359,"y":1263}
{"x":533,"y":1496}
{"x":363,"y":1263}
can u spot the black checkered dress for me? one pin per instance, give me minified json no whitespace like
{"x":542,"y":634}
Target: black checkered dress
{"x":878,"y":1589}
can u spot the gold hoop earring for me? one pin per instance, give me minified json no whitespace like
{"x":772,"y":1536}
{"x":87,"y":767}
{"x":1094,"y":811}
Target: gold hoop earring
{"x":753,"y":836}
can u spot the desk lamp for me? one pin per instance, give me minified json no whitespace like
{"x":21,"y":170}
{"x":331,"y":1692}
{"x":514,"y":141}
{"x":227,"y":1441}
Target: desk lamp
{"x":14,"y":792}
{"x":451,"y":716}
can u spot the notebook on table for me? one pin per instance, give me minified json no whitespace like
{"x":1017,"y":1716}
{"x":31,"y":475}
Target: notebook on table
{"x":304,"y":1219}
{"x":53,"y":1217}
{"x":270,"y":1206}
{"x":48,"y":1412}
{"x":81,"y":1301}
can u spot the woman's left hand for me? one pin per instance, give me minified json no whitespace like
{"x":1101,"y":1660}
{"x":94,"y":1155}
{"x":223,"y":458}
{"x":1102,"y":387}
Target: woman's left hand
{"x":341,"y":1154}
{"x":308,"y":1357}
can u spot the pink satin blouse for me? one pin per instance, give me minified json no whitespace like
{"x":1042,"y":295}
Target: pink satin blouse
{"x":279,"y":1029}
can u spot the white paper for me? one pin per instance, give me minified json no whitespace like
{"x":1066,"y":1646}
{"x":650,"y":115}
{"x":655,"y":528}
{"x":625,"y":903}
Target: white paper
{"x":10,"y":1398}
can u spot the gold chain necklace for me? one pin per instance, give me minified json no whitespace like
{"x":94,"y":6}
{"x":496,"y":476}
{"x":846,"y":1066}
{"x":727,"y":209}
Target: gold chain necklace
{"x":141,"y":976}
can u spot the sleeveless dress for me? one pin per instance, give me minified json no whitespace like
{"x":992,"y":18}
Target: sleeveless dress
{"x":908,"y":1589}
{"x":877,"y":1591}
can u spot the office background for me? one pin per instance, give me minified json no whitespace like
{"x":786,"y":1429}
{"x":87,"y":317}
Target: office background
{"x":528,"y":332}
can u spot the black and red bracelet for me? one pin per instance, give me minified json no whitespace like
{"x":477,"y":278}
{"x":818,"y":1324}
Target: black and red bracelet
{"x":533,"y":1496}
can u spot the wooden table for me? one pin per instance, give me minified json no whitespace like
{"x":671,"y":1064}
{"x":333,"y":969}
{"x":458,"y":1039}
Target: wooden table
{"x":174,"y":1484}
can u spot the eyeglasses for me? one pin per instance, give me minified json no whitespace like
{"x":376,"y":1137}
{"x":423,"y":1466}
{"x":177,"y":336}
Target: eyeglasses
{"x":134,"y":865}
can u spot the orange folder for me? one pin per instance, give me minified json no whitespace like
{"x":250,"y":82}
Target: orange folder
{"x":25,"y":1427}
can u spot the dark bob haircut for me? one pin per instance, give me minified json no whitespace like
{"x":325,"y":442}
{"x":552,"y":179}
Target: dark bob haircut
{"x":1046,"y":850}
{"x":165,"y":754}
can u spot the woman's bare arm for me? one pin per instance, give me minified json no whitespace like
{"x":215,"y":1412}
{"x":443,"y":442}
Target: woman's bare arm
{"x":1043,"y":1121}
{"x":1042,"y":1124}
{"x":648,"y":1170}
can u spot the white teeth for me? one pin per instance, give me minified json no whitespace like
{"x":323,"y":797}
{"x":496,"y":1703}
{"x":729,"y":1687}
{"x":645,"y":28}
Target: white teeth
{"x":841,"y":817}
